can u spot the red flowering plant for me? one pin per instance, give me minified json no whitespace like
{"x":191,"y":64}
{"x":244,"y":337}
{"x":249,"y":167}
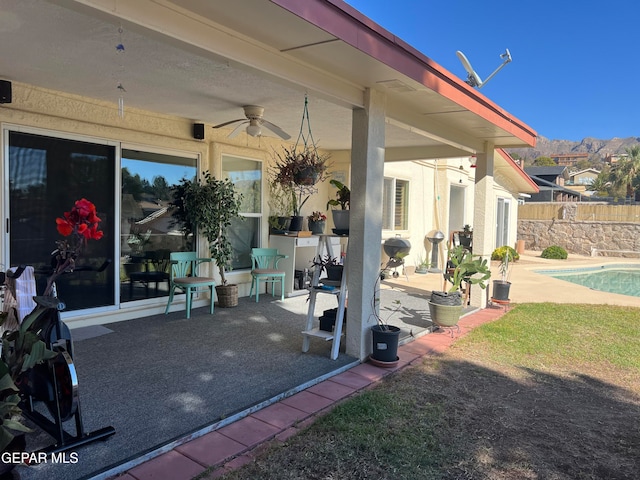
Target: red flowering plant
{"x":80,"y":225}
{"x":317,"y":217}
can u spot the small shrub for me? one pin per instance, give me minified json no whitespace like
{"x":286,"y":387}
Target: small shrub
{"x":554,"y":251}
{"x":500,"y":252}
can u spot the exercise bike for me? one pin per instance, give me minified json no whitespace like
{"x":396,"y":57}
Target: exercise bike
{"x":54,"y":382}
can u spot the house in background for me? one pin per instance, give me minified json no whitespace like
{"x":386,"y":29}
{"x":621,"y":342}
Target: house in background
{"x":105,"y":98}
{"x":569,"y":159}
{"x":551,"y":182}
{"x":580,"y":180}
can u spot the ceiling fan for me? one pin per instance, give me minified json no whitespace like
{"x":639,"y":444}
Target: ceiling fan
{"x":254,"y":122}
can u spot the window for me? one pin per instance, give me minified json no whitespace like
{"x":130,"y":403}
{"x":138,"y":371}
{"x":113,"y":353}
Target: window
{"x":148,"y":233}
{"x":502,"y":222}
{"x":244,"y":233}
{"x":395,"y":200}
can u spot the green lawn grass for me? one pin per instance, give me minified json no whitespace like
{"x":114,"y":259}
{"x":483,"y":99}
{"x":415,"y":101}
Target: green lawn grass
{"x":455,"y":418}
{"x":561,"y":336}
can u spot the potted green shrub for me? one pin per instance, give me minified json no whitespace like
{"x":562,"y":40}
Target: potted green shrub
{"x":385,"y":337}
{"x":280,"y":208}
{"x":210,"y":205}
{"x":506,"y":255}
{"x":342,"y":200}
{"x":446,"y":307}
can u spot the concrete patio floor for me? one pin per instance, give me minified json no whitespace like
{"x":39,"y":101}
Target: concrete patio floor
{"x":235,"y":443}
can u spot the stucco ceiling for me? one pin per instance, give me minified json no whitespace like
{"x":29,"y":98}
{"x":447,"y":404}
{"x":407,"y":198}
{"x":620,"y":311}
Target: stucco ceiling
{"x":203,"y":60}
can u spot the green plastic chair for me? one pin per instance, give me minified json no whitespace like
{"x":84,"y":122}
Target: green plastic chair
{"x":265,"y":268}
{"x":184,"y":275}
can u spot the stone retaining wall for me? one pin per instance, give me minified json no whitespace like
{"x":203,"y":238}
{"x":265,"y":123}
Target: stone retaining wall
{"x":581,"y":236}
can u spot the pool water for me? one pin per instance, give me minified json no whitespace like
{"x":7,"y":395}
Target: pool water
{"x":622,"y":279}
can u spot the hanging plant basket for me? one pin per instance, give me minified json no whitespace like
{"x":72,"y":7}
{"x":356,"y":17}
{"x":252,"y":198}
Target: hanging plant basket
{"x":306,"y":176}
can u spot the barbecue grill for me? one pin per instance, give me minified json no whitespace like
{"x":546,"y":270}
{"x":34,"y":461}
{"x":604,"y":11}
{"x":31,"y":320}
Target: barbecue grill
{"x":396,"y":248}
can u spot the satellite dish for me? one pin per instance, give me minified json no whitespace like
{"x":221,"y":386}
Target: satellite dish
{"x":473,"y":78}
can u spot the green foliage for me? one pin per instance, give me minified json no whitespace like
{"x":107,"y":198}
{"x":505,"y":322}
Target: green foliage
{"x":211,"y":205}
{"x":554,"y":252}
{"x":22,"y":349}
{"x":501,"y":252}
{"x":468,"y":268}
{"x":626,"y":173}
{"x":343,"y":196}
{"x":544,"y":162}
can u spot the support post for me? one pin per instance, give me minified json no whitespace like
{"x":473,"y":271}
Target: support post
{"x":365,"y":230}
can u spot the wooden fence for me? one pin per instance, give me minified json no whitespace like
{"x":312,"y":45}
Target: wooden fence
{"x":579,"y":211}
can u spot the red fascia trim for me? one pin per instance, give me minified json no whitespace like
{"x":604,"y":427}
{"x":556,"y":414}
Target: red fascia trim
{"x":352,"y":27}
{"x":518,"y":168}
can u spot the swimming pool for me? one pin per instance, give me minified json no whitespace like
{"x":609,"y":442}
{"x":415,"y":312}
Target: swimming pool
{"x":613,"y":278}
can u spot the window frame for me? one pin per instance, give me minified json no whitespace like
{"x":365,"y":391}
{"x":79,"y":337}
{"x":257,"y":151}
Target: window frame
{"x":392,"y":207}
{"x":255,"y":215}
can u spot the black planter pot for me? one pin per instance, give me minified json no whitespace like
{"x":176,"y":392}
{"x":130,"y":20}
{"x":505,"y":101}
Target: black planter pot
{"x":385,"y":343}
{"x":296,"y":223}
{"x":501,"y":290}
{"x":334,"y":272}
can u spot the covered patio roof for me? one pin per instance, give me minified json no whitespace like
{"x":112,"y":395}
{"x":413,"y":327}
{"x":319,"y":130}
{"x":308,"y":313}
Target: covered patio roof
{"x":204,"y":60}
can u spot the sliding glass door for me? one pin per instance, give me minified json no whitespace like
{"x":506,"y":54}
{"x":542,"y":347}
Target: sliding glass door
{"x":47,"y":174}
{"x":46,"y":177}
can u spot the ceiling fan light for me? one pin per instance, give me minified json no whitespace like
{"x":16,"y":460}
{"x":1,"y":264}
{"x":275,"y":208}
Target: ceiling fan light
{"x":254,"y":130}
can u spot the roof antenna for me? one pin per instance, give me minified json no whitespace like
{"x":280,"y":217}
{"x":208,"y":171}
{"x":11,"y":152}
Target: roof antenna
{"x":473,"y":78}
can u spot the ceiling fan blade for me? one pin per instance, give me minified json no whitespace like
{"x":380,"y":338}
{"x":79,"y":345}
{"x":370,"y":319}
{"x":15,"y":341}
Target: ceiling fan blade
{"x":229,"y":122}
{"x":238,"y":129}
{"x":275,"y":129}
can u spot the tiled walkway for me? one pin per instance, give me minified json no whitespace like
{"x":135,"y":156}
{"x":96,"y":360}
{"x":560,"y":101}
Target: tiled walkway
{"x":236,"y":444}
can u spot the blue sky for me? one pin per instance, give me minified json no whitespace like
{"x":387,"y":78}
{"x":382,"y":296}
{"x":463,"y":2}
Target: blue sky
{"x":575,"y":71}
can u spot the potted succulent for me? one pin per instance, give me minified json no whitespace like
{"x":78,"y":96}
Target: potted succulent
{"x":422,"y":265}
{"x":316,"y":222}
{"x":210,"y":205}
{"x":466,"y":236}
{"x":297,"y":171}
{"x":342,"y":200}
{"x":506,"y":255}
{"x":331,"y":265}
{"x":446,"y":307}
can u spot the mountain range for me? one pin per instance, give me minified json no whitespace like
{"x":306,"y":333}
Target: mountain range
{"x":596,"y":148}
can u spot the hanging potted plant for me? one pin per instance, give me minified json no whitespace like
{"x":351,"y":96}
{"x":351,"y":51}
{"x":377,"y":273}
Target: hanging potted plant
{"x":342,"y":200}
{"x":210,"y":205}
{"x":297,"y":170}
{"x":446,"y":307}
